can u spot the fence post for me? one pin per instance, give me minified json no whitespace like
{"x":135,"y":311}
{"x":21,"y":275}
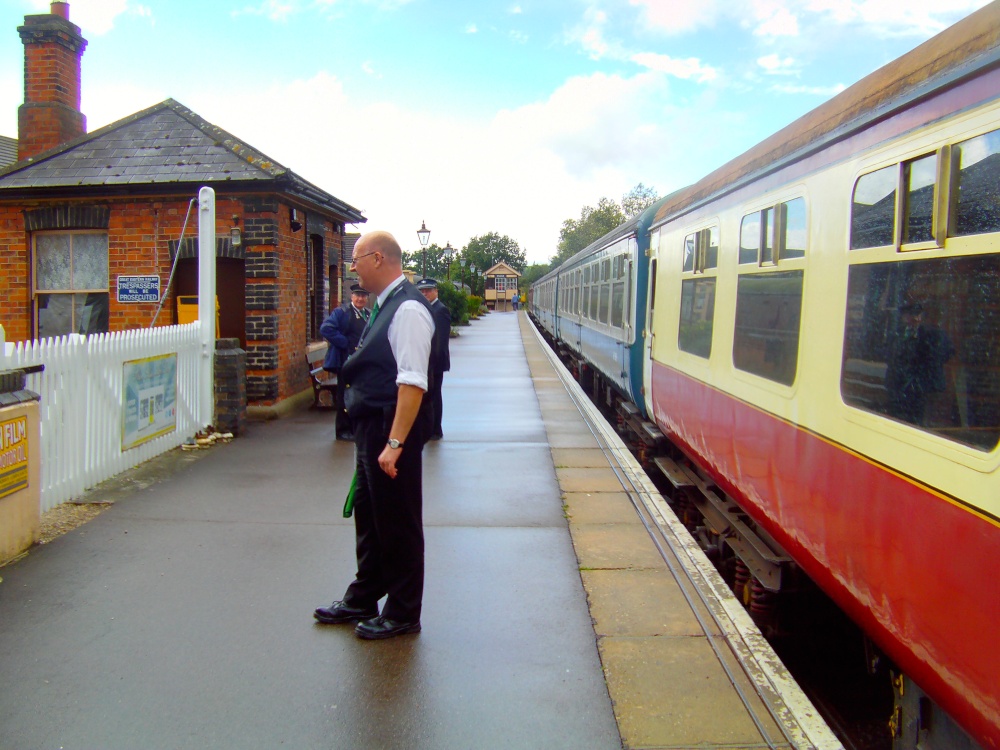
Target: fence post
{"x":206,"y":302}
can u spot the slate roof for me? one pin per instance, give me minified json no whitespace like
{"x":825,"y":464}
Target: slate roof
{"x":167,"y":144}
{"x":8,"y":151}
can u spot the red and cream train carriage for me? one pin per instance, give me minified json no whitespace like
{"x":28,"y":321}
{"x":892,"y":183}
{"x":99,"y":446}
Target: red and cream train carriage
{"x":826,"y":347}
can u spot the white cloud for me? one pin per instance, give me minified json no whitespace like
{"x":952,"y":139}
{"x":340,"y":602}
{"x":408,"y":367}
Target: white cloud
{"x":366,"y":66}
{"x":689,"y":68}
{"x":471,"y":29}
{"x":774,"y":64}
{"x":893,"y":18}
{"x":521,"y":172}
{"x":680,"y":16}
{"x":275,"y":10}
{"x":516,"y":10}
{"x":779,"y":23}
{"x":518,"y":37}
{"x":97,"y":17}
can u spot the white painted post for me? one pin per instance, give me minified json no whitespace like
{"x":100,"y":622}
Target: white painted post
{"x":206,"y":301}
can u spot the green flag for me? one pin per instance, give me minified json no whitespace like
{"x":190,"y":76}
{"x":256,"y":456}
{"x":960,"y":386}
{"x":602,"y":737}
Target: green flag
{"x":349,"y":502}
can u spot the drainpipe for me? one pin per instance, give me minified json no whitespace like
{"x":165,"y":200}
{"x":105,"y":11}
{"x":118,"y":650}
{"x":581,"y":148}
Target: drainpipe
{"x":206,"y":301}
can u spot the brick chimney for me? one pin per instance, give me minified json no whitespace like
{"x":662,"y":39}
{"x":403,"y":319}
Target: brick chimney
{"x":51,"y":112}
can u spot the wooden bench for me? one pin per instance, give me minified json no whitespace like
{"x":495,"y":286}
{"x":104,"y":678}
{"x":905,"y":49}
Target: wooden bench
{"x":321,"y":379}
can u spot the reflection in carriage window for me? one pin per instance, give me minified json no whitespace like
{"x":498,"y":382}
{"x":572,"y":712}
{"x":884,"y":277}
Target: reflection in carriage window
{"x":978,"y":205}
{"x":922,"y":343}
{"x":694,"y":334}
{"x":768,"y":310}
{"x":920,"y":176}
{"x":873,"y":215}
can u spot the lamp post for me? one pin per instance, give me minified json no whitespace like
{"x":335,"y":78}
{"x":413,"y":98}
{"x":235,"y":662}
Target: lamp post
{"x":449,"y":251}
{"x":461,"y":262}
{"x":472,"y":277}
{"x":424,"y":234}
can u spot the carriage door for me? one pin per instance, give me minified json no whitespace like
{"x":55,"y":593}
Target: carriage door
{"x":647,"y":333}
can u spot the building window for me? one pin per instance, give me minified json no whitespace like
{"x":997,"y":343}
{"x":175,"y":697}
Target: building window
{"x":71,"y":283}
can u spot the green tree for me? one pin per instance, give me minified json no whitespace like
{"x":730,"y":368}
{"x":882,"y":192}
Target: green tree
{"x":593,"y":224}
{"x":637,"y":200}
{"x":532,"y":274}
{"x":486,"y":250}
{"x":437,"y":262}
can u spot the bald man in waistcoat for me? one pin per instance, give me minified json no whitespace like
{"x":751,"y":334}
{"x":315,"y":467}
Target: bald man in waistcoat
{"x":385,"y":382}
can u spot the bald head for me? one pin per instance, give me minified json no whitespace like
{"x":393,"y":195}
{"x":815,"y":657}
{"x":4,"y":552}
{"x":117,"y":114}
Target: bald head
{"x":378,"y":260}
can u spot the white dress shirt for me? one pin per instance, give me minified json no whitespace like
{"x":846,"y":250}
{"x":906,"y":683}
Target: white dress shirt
{"x":411,"y":332}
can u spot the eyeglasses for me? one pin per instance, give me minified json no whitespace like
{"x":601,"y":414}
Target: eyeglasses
{"x":354,"y":260}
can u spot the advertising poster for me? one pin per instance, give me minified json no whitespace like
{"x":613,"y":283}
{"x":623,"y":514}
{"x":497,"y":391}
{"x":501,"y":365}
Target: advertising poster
{"x":13,"y":455}
{"x":149,"y":399}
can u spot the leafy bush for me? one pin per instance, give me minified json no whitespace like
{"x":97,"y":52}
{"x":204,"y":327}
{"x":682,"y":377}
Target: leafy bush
{"x":455,"y":302}
{"x":474,"y":303}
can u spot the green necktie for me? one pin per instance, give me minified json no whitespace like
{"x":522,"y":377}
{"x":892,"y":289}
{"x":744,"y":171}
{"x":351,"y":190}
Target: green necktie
{"x":374,"y":313}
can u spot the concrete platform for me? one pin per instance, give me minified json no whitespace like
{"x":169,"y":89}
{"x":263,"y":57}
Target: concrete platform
{"x":181,"y":617}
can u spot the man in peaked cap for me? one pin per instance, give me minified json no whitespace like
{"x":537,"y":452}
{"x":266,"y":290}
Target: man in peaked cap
{"x":440,"y":356}
{"x":342,"y":331}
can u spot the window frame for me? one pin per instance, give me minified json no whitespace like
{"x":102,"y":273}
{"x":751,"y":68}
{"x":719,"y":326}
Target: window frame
{"x":71,"y":291}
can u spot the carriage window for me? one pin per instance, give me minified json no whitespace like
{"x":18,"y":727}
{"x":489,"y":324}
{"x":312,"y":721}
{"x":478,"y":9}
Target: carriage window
{"x":768,"y":309}
{"x":593,"y":302}
{"x":697,"y":316}
{"x":873,"y":214}
{"x":712,"y":248}
{"x":750,"y":238}
{"x":605,"y":302}
{"x":978,"y":209}
{"x":920,"y":176}
{"x":793,"y":229}
{"x":922,"y":343}
{"x":689,"y":245}
{"x":618,"y":304}
{"x":767,"y":224}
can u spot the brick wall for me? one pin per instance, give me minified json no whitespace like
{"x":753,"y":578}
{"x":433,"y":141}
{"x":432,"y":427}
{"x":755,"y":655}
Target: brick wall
{"x":15,"y":309}
{"x":140,"y":231}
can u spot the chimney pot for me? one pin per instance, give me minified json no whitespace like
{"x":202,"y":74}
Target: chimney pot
{"x":60,"y":9}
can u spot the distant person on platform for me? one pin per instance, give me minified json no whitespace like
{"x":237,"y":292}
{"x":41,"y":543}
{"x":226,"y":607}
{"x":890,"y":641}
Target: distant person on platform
{"x":441,"y":357}
{"x":342,"y":331}
{"x":386,"y":379}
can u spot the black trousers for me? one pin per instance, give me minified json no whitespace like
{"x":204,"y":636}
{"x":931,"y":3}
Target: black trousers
{"x":388,"y":523}
{"x":435,"y":381}
{"x":343,"y":421}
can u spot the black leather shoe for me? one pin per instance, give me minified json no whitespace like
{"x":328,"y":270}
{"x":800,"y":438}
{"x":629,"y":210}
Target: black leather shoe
{"x":339,"y":613}
{"x":381,"y":627}
{"x":345,"y":436}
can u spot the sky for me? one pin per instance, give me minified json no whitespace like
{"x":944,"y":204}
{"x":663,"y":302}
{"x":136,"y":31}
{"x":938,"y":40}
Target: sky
{"x":479,"y":117}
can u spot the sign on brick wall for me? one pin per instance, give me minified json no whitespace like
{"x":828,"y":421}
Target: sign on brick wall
{"x":138,"y":288}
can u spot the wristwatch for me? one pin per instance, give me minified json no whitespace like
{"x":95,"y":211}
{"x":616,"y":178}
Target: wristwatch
{"x":394,"y":444}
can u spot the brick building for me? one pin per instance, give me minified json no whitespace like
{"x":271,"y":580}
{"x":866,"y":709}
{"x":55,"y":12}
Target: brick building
{"x":85,"y":215}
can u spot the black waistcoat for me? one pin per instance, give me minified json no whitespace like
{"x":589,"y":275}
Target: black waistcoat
{"x":370,"y":373}
{"x":355,"y":328}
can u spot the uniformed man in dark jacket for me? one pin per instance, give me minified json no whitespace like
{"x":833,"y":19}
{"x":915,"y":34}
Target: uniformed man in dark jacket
{"x":441,"y":357}
{"x":386,"y":379}
{"x":342,"y":331}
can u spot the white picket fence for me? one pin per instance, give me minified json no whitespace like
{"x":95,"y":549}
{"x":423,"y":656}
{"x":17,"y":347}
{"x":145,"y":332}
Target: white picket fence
{"x":82,"y":402}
